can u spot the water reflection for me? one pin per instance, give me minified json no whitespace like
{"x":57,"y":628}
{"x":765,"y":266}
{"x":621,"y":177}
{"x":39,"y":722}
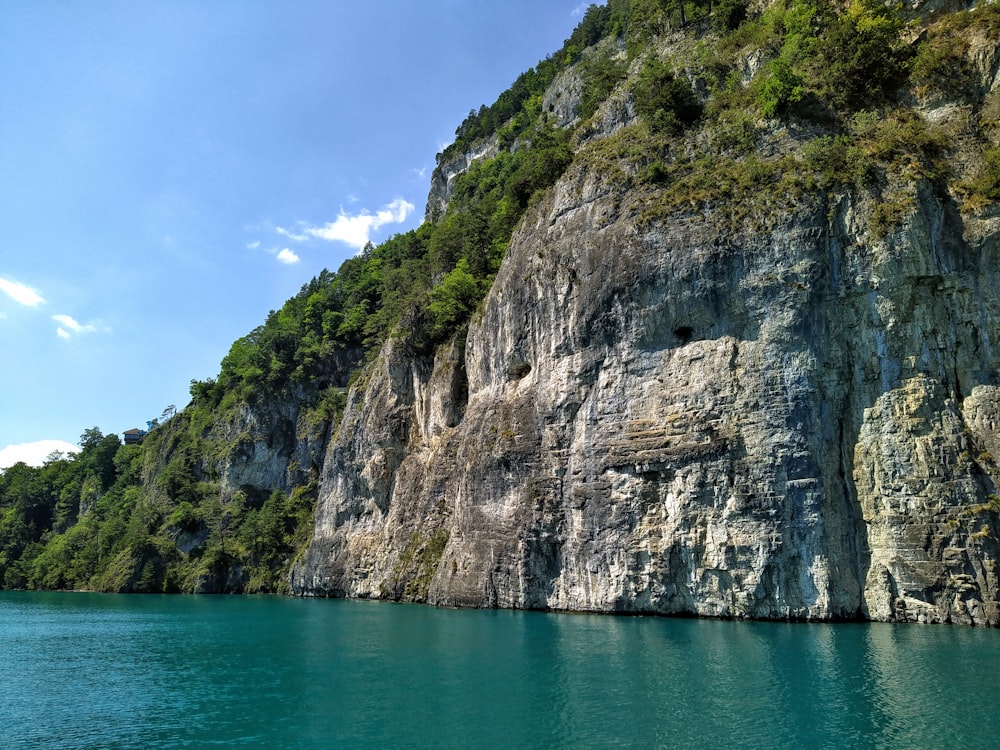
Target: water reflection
{"x":194,"y":671}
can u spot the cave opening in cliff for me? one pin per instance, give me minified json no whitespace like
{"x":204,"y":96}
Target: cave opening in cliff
{"x":684,"y":333}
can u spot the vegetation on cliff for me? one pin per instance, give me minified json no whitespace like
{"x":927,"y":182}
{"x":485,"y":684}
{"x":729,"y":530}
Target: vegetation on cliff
{"x":675,"y":101}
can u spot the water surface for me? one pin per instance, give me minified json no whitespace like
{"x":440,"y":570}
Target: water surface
{"x":106,"y":671}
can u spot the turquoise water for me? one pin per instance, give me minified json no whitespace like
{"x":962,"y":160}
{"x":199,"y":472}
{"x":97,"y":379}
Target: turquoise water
{"x":104,"y":671}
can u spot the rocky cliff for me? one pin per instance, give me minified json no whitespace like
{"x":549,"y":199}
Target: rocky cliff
{"x":781,"y":406}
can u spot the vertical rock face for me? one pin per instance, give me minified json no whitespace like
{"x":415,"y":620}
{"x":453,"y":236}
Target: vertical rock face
{"x":274,"y":445}
{"x":768,"y":418}
{"x":780,"y":414}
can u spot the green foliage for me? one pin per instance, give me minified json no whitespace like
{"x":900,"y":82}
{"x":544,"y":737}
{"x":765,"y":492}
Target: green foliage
{"x":647,"y":19}
{"x":600,"y":76}
{"x":781,"y":89}
{"x":903,"y":144}
{"x":985,"y":187}
{"x":521,"y":102}
{"x":467,"y":245}
{"x":837,"y":160}
{"x":60,"y":521}
{"x":599,"y":22}
{"x":453,"y":300}
{"x":185,"y":517}
{"x":941,"y":60}
{"x":663,"y":99}
{"x":821,"y":63}
{"x":728,"y":15}
{"x":860,"y":59}
{"x":270,"y":536}
{"x":124,"y":536}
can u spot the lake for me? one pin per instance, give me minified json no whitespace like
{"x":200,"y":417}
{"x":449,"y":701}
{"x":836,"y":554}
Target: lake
{"x":110,"y":671}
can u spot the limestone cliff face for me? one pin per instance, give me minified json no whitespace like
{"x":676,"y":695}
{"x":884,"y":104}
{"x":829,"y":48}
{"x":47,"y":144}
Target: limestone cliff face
{"x":274,"y":446}
{"x":790,"y":420}
{"x":782,"y":414}
{"x":443,"y":179}
{"x":274,"y":443}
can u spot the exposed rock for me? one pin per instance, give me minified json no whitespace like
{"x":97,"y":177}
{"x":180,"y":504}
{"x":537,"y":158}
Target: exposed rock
{"x":780,"y":413}
{"x":562,"y":99}
{"x":443,"y":178}
{"x":272,"y":445}
{"x":699,"y":418}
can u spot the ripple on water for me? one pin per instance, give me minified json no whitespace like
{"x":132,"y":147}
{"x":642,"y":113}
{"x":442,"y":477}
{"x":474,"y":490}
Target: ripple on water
{"x":88,"y":671}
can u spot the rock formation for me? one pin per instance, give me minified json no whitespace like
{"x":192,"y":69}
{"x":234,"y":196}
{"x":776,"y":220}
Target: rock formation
{"x":781,"y":412}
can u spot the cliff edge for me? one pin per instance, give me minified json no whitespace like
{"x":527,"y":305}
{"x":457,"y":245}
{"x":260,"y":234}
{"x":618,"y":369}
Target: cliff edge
{"x":774,"y":397}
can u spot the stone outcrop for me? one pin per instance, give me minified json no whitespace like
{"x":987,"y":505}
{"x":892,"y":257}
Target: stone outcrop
{"x":273,"y":445}
{"x":774,"y":414}
{"x":791,"y":421}
{"x":449,"y":168}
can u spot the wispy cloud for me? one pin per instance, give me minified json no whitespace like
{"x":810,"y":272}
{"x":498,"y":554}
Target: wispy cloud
{"x":253,"y":245}
{"x":288,"y":257}
{"x":580,"y":9}
{"x":69,"y":327}
{"x":353,"y":229}
{"x":20,"y":293}
{"x":292,"y":235}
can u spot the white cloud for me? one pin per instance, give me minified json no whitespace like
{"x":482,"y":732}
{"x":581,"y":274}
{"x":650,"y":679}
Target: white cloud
{"x":253,"y":245}
{"x":72,"y":325}
{"x":20,"y":293}
{"x":68,"y":326}
{"x":300,"y":237}
{"x":354,"y":229}
{"x":288,"y":257}
{"x":34,"y":454}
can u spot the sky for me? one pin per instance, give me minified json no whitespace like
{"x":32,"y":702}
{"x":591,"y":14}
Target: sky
{"x":172,"y":171}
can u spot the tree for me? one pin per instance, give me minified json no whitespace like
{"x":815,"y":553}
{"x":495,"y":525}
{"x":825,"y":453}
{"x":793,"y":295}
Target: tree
{"x":664,"y":100}
{"x":600,"y":77}
{"x":452,"y":301}
{"x":781,"y":89}
{"x":728,"y":15}
{"x":99,"y":459}
{"x":90,"y":438}
{"x":860,"y":60}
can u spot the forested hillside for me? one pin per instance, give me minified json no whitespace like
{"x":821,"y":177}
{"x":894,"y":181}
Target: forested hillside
{"x":682,"y":95}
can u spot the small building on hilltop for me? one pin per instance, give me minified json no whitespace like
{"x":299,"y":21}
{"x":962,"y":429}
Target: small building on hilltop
{"x":134,"y":436}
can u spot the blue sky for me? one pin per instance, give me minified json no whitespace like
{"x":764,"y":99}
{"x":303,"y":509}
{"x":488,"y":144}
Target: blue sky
{"x":171,"y":171}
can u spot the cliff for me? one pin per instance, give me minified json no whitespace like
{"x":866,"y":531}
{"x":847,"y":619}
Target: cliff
{"x":703,"y":320}
{"x":780,"y":399}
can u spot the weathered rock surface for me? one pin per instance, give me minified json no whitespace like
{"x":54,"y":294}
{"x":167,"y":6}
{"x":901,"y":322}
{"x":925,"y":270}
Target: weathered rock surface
{"x":443,"y":179}
{"x":793,"y":421}
{"x":777,"y":416}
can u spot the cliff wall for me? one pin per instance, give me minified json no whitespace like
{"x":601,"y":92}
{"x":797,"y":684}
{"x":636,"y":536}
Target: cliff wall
{"x":790,"y":410}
